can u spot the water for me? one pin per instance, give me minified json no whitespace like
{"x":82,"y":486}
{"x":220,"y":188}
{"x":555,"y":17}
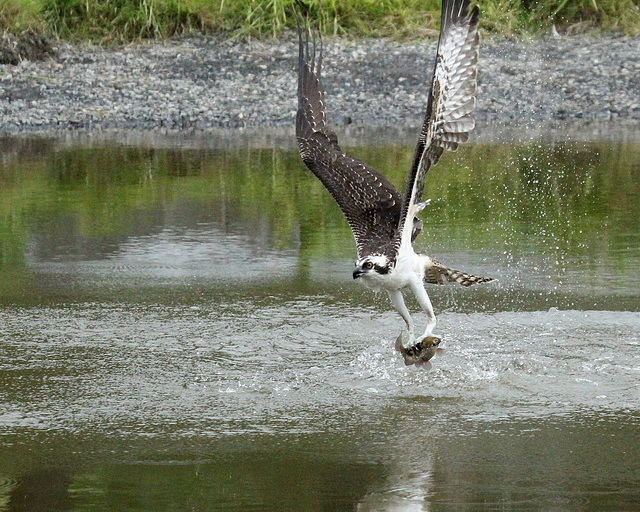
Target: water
{"x":179,"y":330}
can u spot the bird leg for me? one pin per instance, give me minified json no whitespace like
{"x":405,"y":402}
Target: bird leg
{"x":395,"y":296}
{"x":419,"y":352}
{"x":425,"y":304}
{"x":425,"y":348}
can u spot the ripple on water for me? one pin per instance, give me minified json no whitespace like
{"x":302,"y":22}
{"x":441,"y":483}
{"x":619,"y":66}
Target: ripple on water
{"x":290,"y":366}
{"x":561,"y":357}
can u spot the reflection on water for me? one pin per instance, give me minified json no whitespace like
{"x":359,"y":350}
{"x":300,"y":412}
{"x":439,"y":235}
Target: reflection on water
{"x":179,"y":330}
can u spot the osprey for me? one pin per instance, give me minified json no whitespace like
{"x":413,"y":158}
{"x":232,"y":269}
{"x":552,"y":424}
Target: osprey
{"x":384,"y":222}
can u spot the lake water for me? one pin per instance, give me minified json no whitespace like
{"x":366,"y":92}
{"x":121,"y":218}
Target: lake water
{"x":179,"y":329}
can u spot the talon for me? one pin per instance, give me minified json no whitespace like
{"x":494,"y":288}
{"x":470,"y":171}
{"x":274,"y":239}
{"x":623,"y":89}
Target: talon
{"x":399,"y":344}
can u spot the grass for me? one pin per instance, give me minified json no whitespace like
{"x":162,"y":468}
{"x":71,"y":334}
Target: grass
{"x":19,"y":15}
{"x":109,"y":21}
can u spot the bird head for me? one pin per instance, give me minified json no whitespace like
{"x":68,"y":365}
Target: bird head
{"x":374,"y":264}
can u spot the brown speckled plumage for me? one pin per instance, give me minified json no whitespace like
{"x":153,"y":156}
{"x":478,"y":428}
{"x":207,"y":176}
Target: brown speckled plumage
{"x":373,"y":207}
{"x":376,"y":212}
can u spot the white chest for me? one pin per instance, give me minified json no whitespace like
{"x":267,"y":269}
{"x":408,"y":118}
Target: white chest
{"x":409,"y":269}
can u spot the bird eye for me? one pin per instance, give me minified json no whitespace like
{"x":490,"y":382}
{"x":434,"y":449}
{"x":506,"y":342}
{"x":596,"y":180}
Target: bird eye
{"x":368,"y":265}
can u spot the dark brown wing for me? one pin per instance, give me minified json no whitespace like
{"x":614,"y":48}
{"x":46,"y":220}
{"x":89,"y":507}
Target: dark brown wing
{"x":367,"y":198}
{"x":448,"y":120}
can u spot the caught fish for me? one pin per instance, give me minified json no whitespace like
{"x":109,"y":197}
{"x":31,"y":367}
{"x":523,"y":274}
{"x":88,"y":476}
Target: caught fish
{"x":420,"y":353}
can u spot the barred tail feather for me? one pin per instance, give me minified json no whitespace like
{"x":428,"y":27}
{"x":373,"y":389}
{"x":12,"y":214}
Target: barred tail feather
{"x":438,"y":273}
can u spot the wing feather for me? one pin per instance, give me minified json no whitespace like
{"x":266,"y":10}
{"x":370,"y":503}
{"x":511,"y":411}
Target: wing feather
{"x":369,"y":201}
{"x":448,"y":119}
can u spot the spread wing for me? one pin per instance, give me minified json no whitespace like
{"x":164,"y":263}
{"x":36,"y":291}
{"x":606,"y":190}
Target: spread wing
{"x":448,"y":120}
{"x":369,"y":201}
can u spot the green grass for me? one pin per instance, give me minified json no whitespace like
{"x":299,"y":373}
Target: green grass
{"x":18,"y":15}
{"x":127,"y":20}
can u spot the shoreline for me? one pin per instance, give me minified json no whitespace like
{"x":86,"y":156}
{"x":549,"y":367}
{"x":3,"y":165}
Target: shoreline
{"x":203,"y":83}
{"x":575,"y":131}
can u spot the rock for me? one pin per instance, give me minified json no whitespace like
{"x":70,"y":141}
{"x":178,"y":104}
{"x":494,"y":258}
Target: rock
{"x":209,"y":82}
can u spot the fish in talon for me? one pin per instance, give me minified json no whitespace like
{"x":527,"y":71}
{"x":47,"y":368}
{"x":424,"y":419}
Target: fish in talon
{"x":419,"y":353}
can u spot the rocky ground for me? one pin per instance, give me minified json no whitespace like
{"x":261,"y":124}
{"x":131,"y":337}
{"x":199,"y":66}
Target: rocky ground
{"x":210,"y":82}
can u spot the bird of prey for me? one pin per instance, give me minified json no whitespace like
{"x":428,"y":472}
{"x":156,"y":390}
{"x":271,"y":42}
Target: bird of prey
{"x":384,"y":222}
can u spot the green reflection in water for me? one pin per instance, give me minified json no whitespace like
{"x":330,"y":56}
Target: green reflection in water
{"x":517,"y":464}
{"x":569,"y":210}
{"x":562,"y":212}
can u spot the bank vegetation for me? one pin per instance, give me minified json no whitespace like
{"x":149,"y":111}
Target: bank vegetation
{"x":117,"y":21}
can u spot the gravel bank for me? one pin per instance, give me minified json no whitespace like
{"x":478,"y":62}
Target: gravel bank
{"x":207,"y":83}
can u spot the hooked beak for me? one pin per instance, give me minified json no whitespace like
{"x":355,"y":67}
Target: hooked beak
{"x":358,"y":272}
